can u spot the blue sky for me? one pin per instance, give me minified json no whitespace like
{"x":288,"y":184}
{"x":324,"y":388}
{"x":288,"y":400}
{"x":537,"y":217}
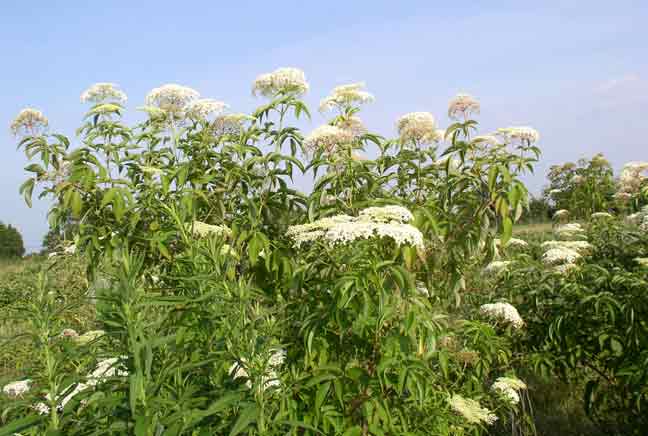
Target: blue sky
{"x":575,"y":70}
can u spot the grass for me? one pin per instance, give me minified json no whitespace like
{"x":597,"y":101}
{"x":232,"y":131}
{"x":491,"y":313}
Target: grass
{"x":532,"y":228}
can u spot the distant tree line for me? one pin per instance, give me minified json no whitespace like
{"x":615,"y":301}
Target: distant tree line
{"x":11,"y":242}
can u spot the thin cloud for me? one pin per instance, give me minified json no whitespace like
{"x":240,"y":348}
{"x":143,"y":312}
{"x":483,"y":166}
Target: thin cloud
{"x":622,"y":82}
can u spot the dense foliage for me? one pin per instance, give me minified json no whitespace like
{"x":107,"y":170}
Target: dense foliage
{"x":11,"y":242}
{"x":583,"y":188}
{"x":222,"y":300}
{"x":586,"y":323}
{"x":229,"y":302}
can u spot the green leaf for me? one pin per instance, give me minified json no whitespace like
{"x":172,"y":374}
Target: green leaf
{"x":507,"y":230}
{"x":247,"y":417}
{"x":18,"y":425}
{"x":353,"y":431}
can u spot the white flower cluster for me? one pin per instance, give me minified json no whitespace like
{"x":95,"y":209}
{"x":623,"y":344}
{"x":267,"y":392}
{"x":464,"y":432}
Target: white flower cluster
{"x":173,"y":100}
{"x":565,"y":268}
{"x":327,"y":139}
{"x":270,"y":379}
{"x":471,"y":410}
{"x":512,"y":242}
{"x":497,"y":266}
{"x":29,"y":122}
{"x":352,"y":125}
{"x":231,"y":124}
{"x":387,"y":213}
{"x":69,"y":249}
{"x":17,"y":388}
{"x":562,"y":213}
{"x":418,"y":128}
{"x":201,"y":229}
{"x":508,"y":387}
{"x":523,"y":134}
{"x":281,"y":81}
{"x":631,"y":178}
{"x":560,"y":255}
{"x":422,"y":289}
{"x":103,"y":93}
{"x":564,"y":254}
{"x":463,"y":104}
{"x":486,"y":139}
{"x":569,"y":230}
{"x":105,"y":369}
{"x":203,"y":108}
{"x":601,"y":215}
{"x":387,"y":221}
{"x":579,"y":246}
{"x":346,"y":96}
{"x":503,"y":311}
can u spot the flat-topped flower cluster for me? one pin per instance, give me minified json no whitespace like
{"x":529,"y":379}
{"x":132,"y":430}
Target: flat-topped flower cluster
{"x":504,"y":312}
{"x":387,"y":221}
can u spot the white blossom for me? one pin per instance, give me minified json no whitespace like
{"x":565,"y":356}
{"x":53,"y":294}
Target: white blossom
{"x":513,"y":242}
{"x":601,"y":215}
{"x":463,"y":104}
{"x":422,"y":289}
{"x":174,"y":100}
{"x":231,"y":124}
{"x":203,"y":108}
{"x":631,"y":178}
{"x":579,"y":246}
{"x":103,"y":93}
{"x":29,"y":122}
{"x":387,"y":213}
{"x":508,"y":387}
{"x":327,"y":139}
{"x":497,"y":267}
{"x":17,"y":388}
{"x":201,"y":229}
{"x":523,"y":134}
{"x":471,"y":410}
{"x":565,"y":268}
{"x":560,"y":255}
{"x":503,"y":311}
{"x":371,"y":223}
{"x":569,"y":230}
{"x":486,"y":139}
{"x":346,"y":96}
{"x":281,"y":81}
{"x":562,"y":213}
{"x":417,"y":128}
{"x":269,"y":379}
{"x":352,"y":125}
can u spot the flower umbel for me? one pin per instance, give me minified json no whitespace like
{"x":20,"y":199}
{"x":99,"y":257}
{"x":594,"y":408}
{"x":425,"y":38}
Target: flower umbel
{"x":327,"y":139}
{"x":418,"y":128}
{"x":103,"y":92}
{"x":346,"y":96}
{"x":174,"y":100}
{"x":471,"y":410}
{"x":503,"y":311}
{"x":463,"y":104}
{"x":281,"y":81}
{"x":29,"y":122}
